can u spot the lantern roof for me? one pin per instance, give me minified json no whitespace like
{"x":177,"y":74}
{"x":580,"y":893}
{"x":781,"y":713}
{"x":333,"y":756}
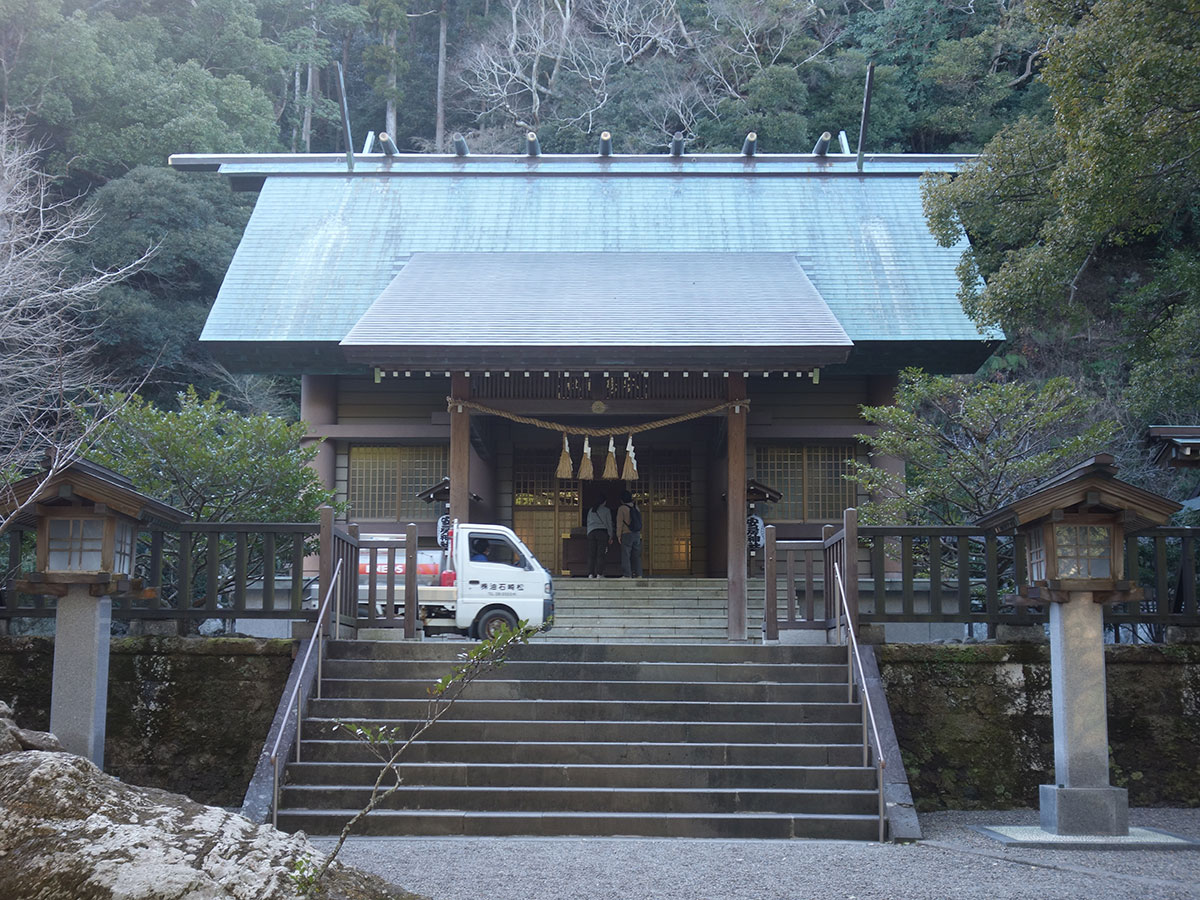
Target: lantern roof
{"x":1089,"y":487}
{"x":92,"y":483}
{"x":1174,"y":446}
{"x":441,"y":492}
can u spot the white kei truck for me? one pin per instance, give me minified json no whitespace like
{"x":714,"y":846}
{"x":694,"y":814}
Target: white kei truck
{"x":485,"y":578}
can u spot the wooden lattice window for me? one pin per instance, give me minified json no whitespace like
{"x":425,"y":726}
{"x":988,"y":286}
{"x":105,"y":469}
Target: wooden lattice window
{"x":384,"y":481}
{"x":811,"y":478}
{"x":545,"y":508}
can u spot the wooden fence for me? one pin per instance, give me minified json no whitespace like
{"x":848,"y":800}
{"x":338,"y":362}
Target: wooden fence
{"x":962,"y":575}
{"x":244,"y":570}
{"x":892,"y":573}
{"x":216,"y":571}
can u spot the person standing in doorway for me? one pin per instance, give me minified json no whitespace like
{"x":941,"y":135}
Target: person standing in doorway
{"x":629,"y":533}
{"x":600,"y":537}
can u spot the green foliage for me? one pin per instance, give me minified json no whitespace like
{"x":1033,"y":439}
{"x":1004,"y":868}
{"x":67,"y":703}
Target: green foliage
{"x":213,"y":463}
{"x":1066,"y":216}
{"x":1164,"y":316}
{"x":303,"y":874}
{"x":111,"y":100}
{"x":969,"y":447}
{"x":773,"y":108}
{"x":836,"y":96}
{"x":193,"y":224}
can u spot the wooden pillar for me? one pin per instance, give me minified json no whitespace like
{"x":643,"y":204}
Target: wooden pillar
{"x":736,"y":492}
{"x":460,"y":450}
{"x":881,"y":391}
{"x":318,"y":406}
{"x":327,"y":562}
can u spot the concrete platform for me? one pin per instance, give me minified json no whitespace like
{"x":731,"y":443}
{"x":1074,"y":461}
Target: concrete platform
{"x":1034,"y":837}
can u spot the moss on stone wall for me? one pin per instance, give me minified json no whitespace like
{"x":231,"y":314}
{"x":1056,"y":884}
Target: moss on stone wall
{"x":186,"y":714}
{"x":975,"y":725}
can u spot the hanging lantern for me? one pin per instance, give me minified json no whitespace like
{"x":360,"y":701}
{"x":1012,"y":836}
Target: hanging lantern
{"x":565,"y":469}
{"x":629,"y":472}
{"x":585,"y":465}
{"x":610,"y":463}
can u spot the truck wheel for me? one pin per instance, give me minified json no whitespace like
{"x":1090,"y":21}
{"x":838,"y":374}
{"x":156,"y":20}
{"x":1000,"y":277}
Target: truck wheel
{"x":490,"y":623}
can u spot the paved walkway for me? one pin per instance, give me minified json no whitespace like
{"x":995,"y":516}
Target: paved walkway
{"x":951,"y":862}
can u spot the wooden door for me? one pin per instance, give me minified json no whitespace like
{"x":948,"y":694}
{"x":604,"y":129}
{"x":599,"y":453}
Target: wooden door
{"x":664,"y":493}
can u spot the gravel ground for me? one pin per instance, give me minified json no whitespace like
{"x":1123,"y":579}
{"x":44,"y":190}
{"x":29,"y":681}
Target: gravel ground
{"x":951,"y":862}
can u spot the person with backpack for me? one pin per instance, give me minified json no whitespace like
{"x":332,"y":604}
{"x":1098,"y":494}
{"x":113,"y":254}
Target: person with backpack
{"x":629,"y":533}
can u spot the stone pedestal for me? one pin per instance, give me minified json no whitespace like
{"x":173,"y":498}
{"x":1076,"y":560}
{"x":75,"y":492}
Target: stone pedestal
{"x":79,"y":698}
{"x":1084,"y":811}
{"x":1082,"y":802}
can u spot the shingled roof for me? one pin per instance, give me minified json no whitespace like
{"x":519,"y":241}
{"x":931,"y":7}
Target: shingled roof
{"x":326,"y":247}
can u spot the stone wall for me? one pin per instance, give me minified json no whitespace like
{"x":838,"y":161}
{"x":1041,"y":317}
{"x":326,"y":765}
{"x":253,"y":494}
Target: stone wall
{"x":975,"y":727}
{"x":185,"y":714}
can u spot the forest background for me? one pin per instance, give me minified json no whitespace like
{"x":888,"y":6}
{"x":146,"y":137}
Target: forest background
{"x":1081,"y":209}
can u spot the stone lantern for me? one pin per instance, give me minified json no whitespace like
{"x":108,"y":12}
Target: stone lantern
{"x":1074,"y":528}
{"x":86,"y":518}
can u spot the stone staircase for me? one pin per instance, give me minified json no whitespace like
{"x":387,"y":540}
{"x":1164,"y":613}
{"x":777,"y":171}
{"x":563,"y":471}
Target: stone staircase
{"x":647,"y":610}
{"x":680,"y":740}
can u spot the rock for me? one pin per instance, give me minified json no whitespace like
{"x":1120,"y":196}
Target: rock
{"x":69,"y":830}
{"x":37,"y":740}
{"x":14,"y":739}
{"x":212,"y":627}
{"x":9,"y":742}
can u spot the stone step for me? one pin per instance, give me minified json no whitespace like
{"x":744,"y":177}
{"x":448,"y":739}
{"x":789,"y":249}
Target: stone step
{"x":525,"y":671}
{"x":330,"y":748}
{"x":585,"y":731}
{"x":622,"y":691}
{"x":646,"y":594}
{"x":571,"y":708}
{"x":624,"y":736}
{"x":584,"y":637}
{"x":705,"y":801}
{"x":652,"y":607}
{"x":533,"y":824}
{"x":521,"y":775}
{"x":671,"y":633}
{"x":731,"y":653}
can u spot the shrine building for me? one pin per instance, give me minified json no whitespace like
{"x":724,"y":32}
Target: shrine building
{"x":452,"y":317}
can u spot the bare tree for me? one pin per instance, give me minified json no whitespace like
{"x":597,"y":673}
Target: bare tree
{"x":638,"y":28}
{"x":523,"y":63}
{"x":49,"y":382}
{"x":747,"y":36}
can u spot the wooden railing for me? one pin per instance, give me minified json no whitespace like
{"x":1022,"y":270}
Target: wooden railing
{"x":250,"y":570}
{"x":306,"y":679}
{"x":962,"y":575}
{"x":855,"y":674}
{"x":378,"y":570}
{"x":226,"y":570}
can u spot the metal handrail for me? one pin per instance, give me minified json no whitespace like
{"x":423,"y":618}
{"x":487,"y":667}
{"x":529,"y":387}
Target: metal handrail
{"x":295,"y":700}
{"x":868,"y":709}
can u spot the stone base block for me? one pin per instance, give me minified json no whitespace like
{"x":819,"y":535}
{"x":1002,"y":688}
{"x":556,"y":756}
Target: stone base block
{"x":1183,"y":634}
{"x":1096,"y":811}
{"x":871,"y":634}
{"x":1021,"y":634}
{"x":807,"y":636}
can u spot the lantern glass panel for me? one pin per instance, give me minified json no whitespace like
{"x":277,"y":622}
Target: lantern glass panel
{"x":1083,"y":551}
{"x":75,"y":545}
{"x":1037,"y":555}
{"x":123,"y":549}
